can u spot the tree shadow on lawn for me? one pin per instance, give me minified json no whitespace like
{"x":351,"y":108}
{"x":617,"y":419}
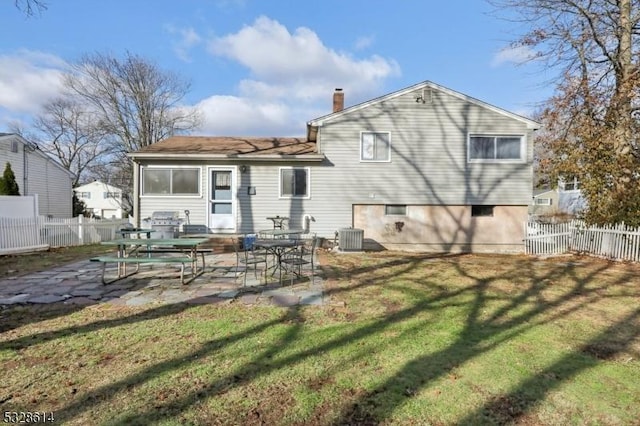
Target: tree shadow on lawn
{"x":15,"y":317}
{"x":480,"y":334}
{"x":503,"y":325}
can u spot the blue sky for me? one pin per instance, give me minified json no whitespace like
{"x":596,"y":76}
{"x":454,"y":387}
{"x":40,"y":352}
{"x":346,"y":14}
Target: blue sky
{"x":266,"y":67}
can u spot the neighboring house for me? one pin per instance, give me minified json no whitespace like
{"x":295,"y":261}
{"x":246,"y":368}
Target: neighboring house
{"x":545,"y":201}
{"x":37,"y":173}
{"x":566,"y":198}
{"x":101,"y":199}
{"x":422,"y":168}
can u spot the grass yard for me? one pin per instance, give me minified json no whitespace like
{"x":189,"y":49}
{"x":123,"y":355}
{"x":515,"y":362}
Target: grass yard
{"x":408,"y":339}
{"x":20,"y":264}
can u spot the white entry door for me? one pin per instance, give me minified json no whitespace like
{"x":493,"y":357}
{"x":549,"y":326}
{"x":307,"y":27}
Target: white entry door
{"x":222,"y":199}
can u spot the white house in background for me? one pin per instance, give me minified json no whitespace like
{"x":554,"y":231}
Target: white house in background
{"x":38,"y":174}
{"x":565,"y":198}
{"x":101,"y":199}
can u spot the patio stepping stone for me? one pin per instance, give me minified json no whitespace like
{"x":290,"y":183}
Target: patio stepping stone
{"x":84,"y":301}
{"x":284,"y":300}
{"x":228,"y":294}
{"x":249,"y":299}
{"x":18,"y":298}
{"x":48,"y":298}
{"x":310,"y":297}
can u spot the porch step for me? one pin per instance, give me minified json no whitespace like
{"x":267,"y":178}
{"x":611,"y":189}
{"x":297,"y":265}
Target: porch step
{"x":220,"y":244}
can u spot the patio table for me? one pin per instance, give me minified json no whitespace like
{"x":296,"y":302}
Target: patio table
{"x":278,"y":247}
{"x":278,"y":221}
{"x":280,"y":233}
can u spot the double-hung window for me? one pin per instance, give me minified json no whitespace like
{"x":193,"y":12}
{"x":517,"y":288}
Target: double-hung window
{"x":375,"y":146}
{"x":295,"y":182}
{"x":496,"y":148}
{"x":170,"y":181}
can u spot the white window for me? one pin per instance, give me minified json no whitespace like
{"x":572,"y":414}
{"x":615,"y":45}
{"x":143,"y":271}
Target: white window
{"x":14,"y":146}
{"x":295,"y":182}
{"x":84,"y":194}
{"x":496,"y":148}
{"x":375,"y":146}
{"x":111,"y":195}
{"x":543,"y":201}
{"x":178,"y":181}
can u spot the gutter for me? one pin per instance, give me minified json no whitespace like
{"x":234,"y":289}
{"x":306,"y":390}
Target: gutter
{"x":243,"y":157}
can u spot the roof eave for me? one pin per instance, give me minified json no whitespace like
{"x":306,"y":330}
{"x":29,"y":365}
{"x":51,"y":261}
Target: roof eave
{"x":237,"y":157}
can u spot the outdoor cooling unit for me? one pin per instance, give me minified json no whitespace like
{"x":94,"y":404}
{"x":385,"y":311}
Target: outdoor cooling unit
{"x":350,"y":239}
{"x":165,"y":224}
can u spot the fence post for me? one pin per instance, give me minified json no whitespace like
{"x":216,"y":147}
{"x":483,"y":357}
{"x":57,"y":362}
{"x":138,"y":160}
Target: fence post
{"x":80,"y":230}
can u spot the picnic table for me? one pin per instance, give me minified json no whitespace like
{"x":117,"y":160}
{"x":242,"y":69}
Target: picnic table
{"x":189,"y":247}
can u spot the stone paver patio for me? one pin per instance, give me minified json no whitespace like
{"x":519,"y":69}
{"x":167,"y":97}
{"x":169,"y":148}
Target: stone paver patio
{"x":79,"y":283}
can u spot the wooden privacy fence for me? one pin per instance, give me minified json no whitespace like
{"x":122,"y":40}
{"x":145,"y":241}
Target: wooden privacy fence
{"x":616,"y":242}
{"x":20,"y":235}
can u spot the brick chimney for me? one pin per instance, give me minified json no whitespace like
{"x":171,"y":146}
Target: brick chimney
{"x":338,"y":100}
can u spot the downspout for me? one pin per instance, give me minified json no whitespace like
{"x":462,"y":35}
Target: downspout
{"x":136,"y":194}
{"x":25,"y":187}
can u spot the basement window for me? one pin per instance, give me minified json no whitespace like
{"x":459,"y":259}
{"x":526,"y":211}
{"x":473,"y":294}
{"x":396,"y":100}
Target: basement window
{"x":395,"y":210}
{"x":481,"y":211}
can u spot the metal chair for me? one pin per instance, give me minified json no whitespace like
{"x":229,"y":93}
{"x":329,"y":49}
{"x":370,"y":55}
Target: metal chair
{"x":247,"y":255}
{"x":302,"y":255}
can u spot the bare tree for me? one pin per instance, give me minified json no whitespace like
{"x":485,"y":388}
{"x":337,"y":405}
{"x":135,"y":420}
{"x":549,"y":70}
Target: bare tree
{"x":68,"y":132}
{"x":31,"y":7}
{"x":134,"y":101}
{"x":591,"y":126}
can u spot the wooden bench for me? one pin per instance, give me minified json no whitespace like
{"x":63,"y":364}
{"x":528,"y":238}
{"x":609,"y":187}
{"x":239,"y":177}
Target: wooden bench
{"x":137,"y":261}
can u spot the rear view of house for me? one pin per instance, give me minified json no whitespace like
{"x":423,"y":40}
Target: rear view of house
{"x":422,"y":168}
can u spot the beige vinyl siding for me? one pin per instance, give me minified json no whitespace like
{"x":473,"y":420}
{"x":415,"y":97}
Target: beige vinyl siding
{"x":428,"y":155}
{"x":16,"y":159}
{"x":428,"y":167}
{"x":52,"y":184}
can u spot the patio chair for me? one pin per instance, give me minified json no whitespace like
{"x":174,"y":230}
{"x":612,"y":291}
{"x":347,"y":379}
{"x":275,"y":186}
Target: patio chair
{"x":302,"y":255}
{"x":248,"y":255}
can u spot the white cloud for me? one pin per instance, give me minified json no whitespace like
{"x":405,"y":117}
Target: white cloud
{"x":364,"y":42}
{"x":29,"y":79}
{"x":186,"y":39}
{"x":236,"y":116}
{"x":516,"y":54}
{"x":292,"y":76}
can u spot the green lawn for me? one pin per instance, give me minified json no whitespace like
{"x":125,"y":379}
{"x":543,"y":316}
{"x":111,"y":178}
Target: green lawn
{"x":407,"y":339}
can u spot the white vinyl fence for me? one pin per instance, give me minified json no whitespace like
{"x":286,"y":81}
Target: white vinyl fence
{"x":20,"y":235}
{"x":616,"y":242}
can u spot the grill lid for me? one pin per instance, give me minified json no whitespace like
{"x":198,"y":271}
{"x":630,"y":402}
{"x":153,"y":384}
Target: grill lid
{"x":165,"y":215}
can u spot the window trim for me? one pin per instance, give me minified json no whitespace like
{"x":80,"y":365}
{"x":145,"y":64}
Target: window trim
{"x":363,"y":132}
{"x":495,"y":136}
{"x":300,"y":197}
{"x":170,"y":167}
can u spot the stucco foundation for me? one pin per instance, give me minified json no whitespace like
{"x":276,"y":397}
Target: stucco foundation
{"x":443,"y":228}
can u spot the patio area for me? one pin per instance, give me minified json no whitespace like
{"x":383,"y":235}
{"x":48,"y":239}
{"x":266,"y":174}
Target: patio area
{"x":79,"y":283}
